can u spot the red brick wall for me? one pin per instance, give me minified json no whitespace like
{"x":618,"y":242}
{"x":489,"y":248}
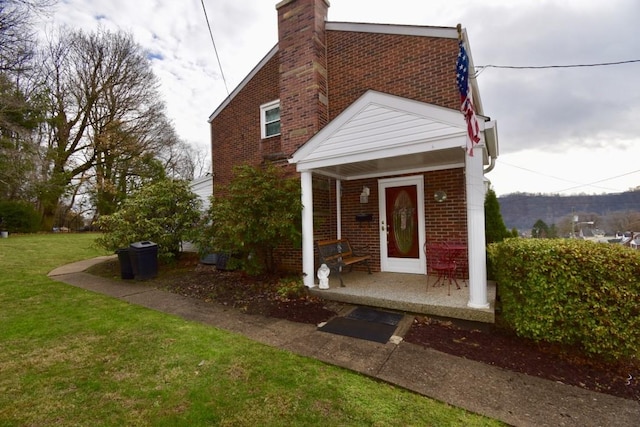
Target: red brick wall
{"x":362,"y":233}
{"x":419,"y":68}
{"x":235,"y":131}
{"x":303,"y":70}
{"x":324,"y":208}
{"x":324,"y":223}
{"x":447,"y":221}
{"x":302,"y":77}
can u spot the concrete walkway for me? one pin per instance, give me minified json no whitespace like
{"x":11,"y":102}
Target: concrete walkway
{"x":513,"y":398}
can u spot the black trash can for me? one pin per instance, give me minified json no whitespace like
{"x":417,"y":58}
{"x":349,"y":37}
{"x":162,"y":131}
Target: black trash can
{"x":221,"y":262}
{"x":144,"y":260}
{"x":126,"y":270}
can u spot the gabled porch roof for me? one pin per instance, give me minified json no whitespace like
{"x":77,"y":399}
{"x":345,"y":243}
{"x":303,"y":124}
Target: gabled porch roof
{"x":381,"y":134}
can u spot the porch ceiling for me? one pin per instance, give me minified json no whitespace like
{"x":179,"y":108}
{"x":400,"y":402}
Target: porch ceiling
{"x":382,"y":134}
{"x":409,"y":163}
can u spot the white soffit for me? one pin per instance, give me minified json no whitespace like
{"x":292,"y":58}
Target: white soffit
{"x":382,"y":126}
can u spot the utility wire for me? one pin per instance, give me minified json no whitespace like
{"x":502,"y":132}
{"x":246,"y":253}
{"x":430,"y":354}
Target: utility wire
{"x":482,"y":68}
{"x":560,"y":179}
{"x":591,"y":184}
{"x":597,"y":182}
{"x":539,"y":67}
{"x":206,"y":17}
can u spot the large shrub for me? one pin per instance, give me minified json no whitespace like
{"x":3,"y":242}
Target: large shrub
{"x":257,"y":212}
{"x":571,"y":292}
{"x":164,"y":212}
{"x":19,"y":217}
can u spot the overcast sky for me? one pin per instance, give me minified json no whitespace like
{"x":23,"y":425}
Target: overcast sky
{"x":561,"y":130}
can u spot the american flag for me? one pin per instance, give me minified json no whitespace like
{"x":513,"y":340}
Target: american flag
{"x":466,"y":100}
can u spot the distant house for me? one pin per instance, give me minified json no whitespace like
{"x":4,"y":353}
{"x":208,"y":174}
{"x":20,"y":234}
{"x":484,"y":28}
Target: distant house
{"x":203,"y":187}
{"x":368,"y":116}
{"x":630,"y":239}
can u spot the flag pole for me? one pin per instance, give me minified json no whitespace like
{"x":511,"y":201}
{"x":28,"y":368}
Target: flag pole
{"x":466,"y":99}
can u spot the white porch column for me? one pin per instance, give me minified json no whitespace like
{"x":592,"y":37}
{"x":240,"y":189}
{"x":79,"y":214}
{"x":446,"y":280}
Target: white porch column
{"x":339,"y":208}
{"x":475,"y":226}
{"x":307,"y":229}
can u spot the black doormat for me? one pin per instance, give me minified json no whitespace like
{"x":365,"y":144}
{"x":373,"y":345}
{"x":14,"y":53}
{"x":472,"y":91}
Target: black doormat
{"x":373,"y":315}
{"x":364,"y":323}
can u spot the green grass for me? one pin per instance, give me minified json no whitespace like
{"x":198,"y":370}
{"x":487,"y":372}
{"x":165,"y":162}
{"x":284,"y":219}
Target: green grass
{"x":71,"y":357}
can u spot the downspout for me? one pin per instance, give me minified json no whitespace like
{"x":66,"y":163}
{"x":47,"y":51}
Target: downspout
{"x":492,"y":164}
{"x":491,"y":136}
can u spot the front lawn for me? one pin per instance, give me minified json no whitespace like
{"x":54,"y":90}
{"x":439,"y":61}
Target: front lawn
{"x":73,"y":357}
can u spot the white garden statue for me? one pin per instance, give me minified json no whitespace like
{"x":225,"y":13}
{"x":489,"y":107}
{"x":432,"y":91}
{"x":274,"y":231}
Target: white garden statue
{"x":323,"y":276}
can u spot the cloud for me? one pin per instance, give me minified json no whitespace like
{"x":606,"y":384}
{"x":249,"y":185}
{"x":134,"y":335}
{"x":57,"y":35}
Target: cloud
{"x":544,"y":116}
{"x":559,"y":108}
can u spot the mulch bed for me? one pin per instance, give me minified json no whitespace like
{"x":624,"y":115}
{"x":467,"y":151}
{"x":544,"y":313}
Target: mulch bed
{"x":502,"y":348}
{"x":484,"y":343}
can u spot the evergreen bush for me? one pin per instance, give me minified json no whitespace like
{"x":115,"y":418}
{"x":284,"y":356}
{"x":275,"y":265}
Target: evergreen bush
{"x":259,"y":211}
{"x":165,"y":212}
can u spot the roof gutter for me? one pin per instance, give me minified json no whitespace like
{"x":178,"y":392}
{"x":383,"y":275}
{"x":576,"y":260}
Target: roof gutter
{"x":491,"y":142}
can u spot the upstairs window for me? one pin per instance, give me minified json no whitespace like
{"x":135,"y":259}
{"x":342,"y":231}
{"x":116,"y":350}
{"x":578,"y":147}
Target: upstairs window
{"x":270,"y":119}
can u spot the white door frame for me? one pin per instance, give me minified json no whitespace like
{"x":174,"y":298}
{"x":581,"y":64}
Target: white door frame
{"x":402,"y":265}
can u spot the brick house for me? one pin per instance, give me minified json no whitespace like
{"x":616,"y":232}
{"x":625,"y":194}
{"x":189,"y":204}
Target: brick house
{"x":369,"y":117}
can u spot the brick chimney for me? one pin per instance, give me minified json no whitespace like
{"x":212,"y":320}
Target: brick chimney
{"x":303,"y":70}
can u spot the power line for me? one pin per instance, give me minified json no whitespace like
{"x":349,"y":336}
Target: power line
{"x":481,"y":68}
{"x":560,"y":179}
{"x":206,"y":17}
{"x":602,"y":180}
{"x":580,"y":185}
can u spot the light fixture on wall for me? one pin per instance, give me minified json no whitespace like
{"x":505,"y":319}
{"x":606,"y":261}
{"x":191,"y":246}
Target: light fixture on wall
{"x":364,"y":196}
{"x":440,"y":196}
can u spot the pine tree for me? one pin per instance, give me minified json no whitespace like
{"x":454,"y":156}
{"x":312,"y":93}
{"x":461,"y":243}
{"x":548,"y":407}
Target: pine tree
{"x":495,"y":229}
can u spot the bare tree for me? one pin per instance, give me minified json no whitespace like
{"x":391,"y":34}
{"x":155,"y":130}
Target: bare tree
{"x":105,"y":115}
{"x":184,"y":161}
{"x":623,"y":221}
{"x":201,"y":158}
{"x":17,"y":40}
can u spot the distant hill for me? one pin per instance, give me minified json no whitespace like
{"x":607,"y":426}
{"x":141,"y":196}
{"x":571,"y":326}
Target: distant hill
{"x":522,"y":210}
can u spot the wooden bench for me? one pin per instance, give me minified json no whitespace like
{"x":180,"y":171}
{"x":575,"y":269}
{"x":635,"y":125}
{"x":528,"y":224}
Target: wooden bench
{"x":338,"y":254}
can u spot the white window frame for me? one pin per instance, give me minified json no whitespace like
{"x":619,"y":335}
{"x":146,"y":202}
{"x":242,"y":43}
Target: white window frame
{"x":263,"y":118}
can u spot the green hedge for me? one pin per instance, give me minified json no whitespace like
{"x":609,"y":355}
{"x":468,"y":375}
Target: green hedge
{"x":18,"y":217}
{"x":571,"y":292}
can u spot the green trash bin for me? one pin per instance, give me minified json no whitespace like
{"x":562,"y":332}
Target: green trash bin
{"x":144,"y":260}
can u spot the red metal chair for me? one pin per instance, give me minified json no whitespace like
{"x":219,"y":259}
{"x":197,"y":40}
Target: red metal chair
{"x":441,"y":262}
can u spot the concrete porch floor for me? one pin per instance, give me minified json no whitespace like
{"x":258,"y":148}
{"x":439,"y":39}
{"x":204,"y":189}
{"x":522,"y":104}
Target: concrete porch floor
{"x":408,"y":293}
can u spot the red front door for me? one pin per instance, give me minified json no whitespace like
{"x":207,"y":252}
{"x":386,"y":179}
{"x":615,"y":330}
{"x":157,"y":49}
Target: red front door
{"x":402,"y":222}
